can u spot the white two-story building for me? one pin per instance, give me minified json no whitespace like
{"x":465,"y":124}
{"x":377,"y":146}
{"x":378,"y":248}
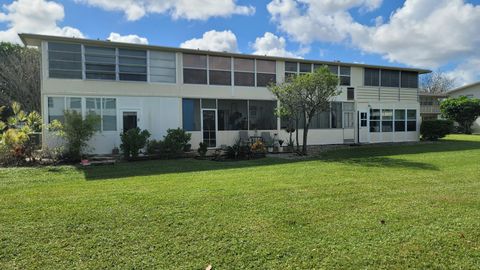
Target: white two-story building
{"x":214,"y":95}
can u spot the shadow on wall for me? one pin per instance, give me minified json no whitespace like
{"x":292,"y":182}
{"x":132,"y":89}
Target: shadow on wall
{"x":371,"y":156}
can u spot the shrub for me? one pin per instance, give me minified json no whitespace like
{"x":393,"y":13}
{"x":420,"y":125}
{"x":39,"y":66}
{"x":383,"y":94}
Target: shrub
{"x":76,"y":131}
{"x":132,"y":142}
{"x":258,"y":147}
{"x":238,"y":151}
{"x":176,"y":141}
{"x":15,"y":135}
{"x":202,"y":149}
{"x":433,"y":130}
{"x":463,"y":110}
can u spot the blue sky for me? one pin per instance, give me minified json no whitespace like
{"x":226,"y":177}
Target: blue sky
{"x":393,"y":32}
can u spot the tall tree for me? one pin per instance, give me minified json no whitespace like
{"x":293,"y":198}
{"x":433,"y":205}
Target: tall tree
{"x":20,"y":76}
{"x":462,"y":110}
{"x":305,"y":95}
{"x":437,"y":83}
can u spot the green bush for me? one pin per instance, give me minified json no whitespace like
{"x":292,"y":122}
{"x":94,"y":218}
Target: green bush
{"x":176,"y":141}
{"x":238,"y":151}
{"x":432,"y":130}
{"x":132,"y":142}
{"x":462,"y":110}
{"x":172,"y":145}
{"x":76,"y":131}
{"x":202,"y":149}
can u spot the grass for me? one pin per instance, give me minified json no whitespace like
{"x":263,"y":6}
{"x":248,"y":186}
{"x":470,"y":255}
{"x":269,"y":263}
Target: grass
{"x":393,"y":207}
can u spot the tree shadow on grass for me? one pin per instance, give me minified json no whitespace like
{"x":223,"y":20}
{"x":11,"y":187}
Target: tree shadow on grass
{"x":379,"y":156}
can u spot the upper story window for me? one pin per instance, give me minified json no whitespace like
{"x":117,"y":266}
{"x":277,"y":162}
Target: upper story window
{"x":64,"y":60}
{"x":266,"y":72}
{"x":305,"y":68}
{"x":409,"y":79}
{"x":220,"y":70}
{"x":371,"y":77}
{"x":244,"y":72}
{"x":163,"y":67}
{"x":345,"y":73}
{"x":291,"y":70}
{"x":195,"y":68}
{"x":390,"y":78}
{"x":132,"y":65}
{"x":100,"y":63}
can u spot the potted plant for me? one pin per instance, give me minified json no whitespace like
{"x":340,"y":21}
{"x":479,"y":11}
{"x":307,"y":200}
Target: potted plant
{"x":280,"y":142}
{"x":115,"y":151}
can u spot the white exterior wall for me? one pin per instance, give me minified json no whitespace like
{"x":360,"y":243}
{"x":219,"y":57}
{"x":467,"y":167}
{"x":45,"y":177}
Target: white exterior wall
{"x":159,"y":105}
{"x":472,"y":91}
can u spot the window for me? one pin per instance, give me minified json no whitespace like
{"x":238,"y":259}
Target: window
{"x":390,"y":78}
{"x":262,"y":115}
{"x":194,"y":69}
{"x":209,"y":103}
{"x":74,"y":104}
{"x":162,"y":67}
{"x":232,"y":115}
{"x":374,"y":120}
{"x":266,"y":73}
{"x":220,"y":70}
{"x":191,"y":114}
{"x":399,"y":120}
{"x":345,"y":75}
{"x":64,"y":60}
{"x":94,"y":106}
{"x":350,"y":93}
{"x":363,"y":119}
{"x":132,"y":65}
{"x":387,"y":120}
{"x":56,"y":107}
{"x":100,"y":63}
{"x":348,"y":115}
{"x":336,"y":109}
{"x":409,"y":79}
{"x":291,"y":70}
{"x":371,"y":77}
{"x":109,"y":114}
{"x":321,"y":120}
{"x":244,"y":74}
{"x":305,"y":68}
{"x":333,"y":69}
{"x":411,"y":120}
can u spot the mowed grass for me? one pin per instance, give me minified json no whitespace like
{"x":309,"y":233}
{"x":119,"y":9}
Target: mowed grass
{"x":392,"y":207}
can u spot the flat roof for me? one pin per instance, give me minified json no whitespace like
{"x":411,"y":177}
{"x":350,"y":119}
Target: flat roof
{"x":35,"y":40}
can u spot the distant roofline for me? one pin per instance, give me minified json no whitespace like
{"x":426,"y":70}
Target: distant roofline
{"x":427,"y":94}
{"x":35,"y":40}
{"x":464,"y":87}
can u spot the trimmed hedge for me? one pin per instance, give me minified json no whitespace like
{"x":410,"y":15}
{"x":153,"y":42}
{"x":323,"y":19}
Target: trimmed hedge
{"x":432,"y":130}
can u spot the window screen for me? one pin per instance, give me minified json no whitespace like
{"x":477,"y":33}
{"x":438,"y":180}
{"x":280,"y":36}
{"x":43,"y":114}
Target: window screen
{"x":191,"y":114}
{"x":56,"y":108}
{"x":266,"y":73}
{"x":232,"y":114}
{"x":64,"y":60}
{"x":194,"y":68}
{"x":371,"y":77}
{"x":409,"y":79}
{"x":399,"y":120}
{"x":390,"y":78}
{"x":132,"y":65}
{"x":262,"y":115}
{"x":244,"y":72}
{"x":162,"y":67}
{"x":220,"y":70}
{"x":100,"y":63}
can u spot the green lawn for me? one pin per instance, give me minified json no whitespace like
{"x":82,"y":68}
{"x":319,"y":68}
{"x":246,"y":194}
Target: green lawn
{"x":324,"y":212}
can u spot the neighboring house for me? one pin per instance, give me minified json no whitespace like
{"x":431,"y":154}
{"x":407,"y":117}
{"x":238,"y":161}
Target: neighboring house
{"x":470,"y":91}
{"x":430,"y":105}
{"x":216,"y":96}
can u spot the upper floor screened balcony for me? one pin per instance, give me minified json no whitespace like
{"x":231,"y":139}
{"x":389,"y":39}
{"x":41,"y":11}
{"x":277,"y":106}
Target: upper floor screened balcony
{"x":95,"y":60}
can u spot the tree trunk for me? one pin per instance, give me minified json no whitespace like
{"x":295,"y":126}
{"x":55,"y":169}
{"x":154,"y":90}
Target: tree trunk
{"x":296,"y":133}
{"x":304,"y":146}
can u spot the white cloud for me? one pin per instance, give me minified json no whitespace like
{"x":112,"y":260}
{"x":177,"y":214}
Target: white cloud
{"x":424,"y":33}
{"x":34,"y":16}
{"x":127,"y":39}
{"x":273,"y":45}
{"x":221,"y":41}
{"x":187,"y":9}
{"x":467,"y":72}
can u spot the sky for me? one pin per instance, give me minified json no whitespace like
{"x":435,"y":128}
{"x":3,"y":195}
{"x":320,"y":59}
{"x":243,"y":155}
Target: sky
{"x":441,"y":35}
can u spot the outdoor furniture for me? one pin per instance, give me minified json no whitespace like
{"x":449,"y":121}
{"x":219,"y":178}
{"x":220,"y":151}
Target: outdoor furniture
{"x":243,"y":135}
{"x":267,"y":138}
